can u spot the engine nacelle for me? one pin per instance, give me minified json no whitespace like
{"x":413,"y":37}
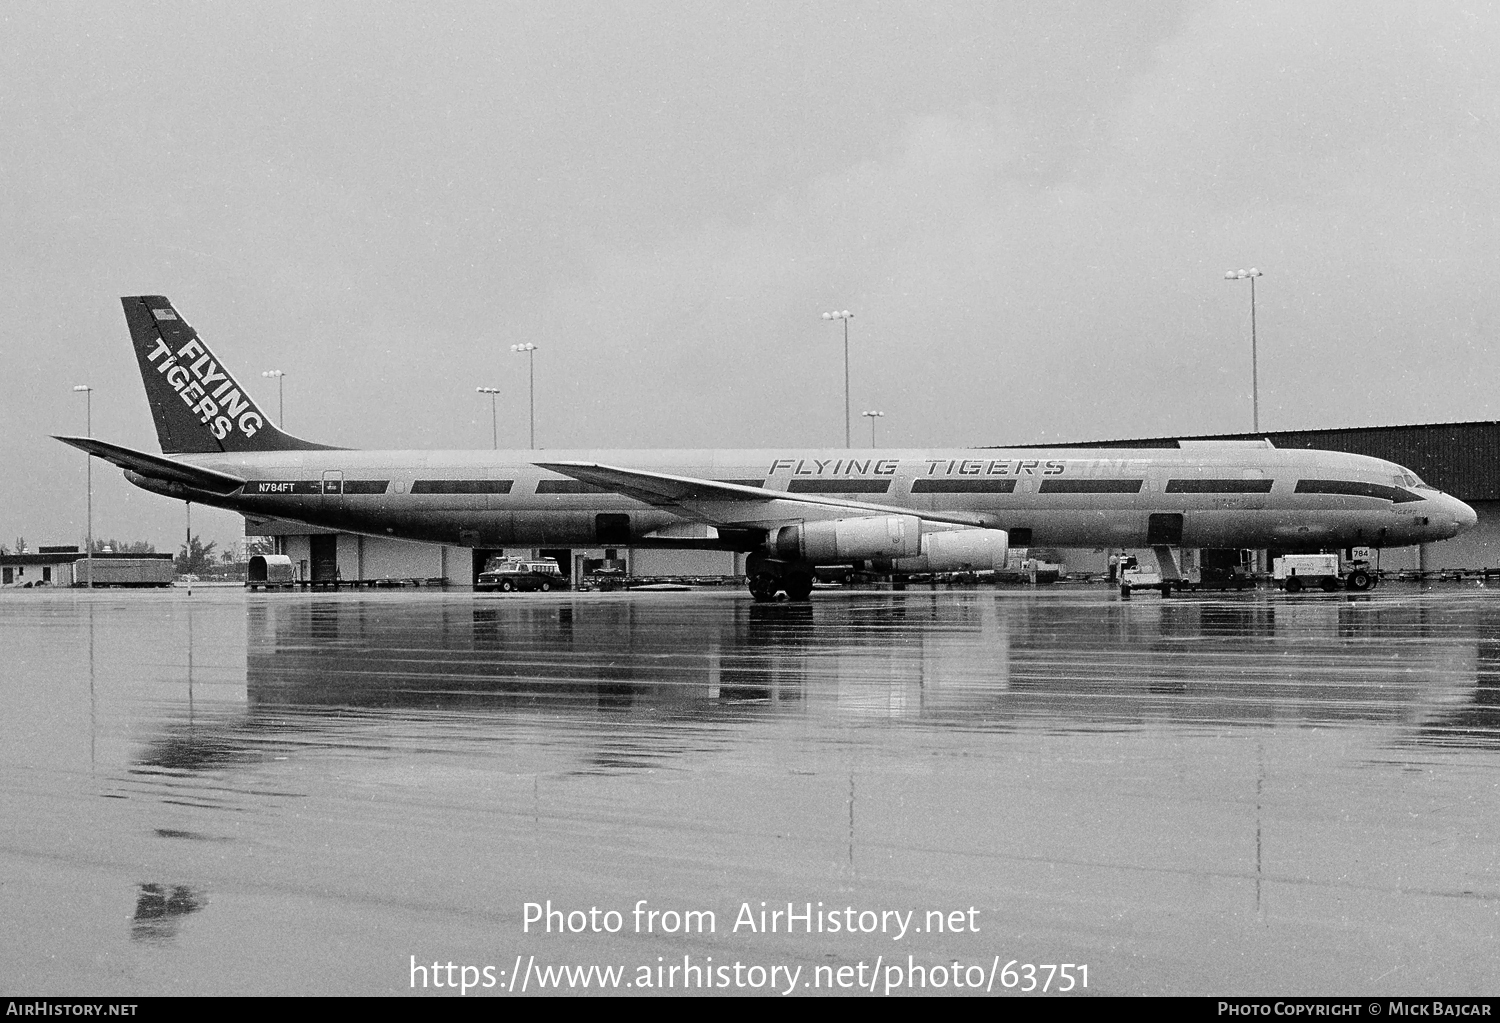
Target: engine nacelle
{"x":958,"y":550}
{"x":877,"y":537}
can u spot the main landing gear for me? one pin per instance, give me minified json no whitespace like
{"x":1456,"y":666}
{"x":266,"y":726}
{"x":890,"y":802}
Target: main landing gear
{"x":768,"y":577}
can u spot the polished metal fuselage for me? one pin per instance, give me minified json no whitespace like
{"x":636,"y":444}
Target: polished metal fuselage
{"x":1049,"y":497}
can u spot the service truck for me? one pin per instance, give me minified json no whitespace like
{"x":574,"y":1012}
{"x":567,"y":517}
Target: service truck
{"x":1295,"y":572}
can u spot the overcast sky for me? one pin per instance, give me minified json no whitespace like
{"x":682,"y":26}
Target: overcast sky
{"x":1028,"y":206}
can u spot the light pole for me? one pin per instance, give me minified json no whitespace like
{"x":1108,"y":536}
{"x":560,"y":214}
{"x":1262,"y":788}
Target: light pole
{"x":280,"y":397}
{"x":1239,"y":275}
{"x":872,"y":416}
{"x":846,"y":316}
{"x":494,"y":428}
{"x":529,"y":350}
{"x":88,"y":405}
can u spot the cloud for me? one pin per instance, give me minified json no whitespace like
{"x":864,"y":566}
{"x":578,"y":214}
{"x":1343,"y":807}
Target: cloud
{"x":1029,"y":208}
{"x":1343,"y":154}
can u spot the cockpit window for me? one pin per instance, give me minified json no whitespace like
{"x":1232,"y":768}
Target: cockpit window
{"x":1411,"y":481}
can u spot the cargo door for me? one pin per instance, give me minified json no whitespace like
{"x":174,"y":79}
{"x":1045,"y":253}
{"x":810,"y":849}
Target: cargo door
{"x":1164,"y":530}
{"x":612,"y":529}
{"x":332,"y":491}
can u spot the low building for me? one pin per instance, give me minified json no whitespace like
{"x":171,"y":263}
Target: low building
{"x":69,"y":566}
{"x":327,"y":557}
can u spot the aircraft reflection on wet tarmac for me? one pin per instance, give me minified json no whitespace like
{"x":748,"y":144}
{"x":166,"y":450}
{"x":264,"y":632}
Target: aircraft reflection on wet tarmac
{"x":959,"y":659}
{"x":415,"y":766}
{"x":963,"y":660}
{"x":159,"y":911}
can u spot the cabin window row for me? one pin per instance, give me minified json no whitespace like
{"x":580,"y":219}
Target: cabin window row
{"x":845,"y":486}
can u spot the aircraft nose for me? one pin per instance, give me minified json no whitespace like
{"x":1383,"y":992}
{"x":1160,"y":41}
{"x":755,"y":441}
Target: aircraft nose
{"x":1464,"y":517}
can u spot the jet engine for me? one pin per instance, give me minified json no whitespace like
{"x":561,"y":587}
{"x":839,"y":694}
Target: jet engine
{"x":877,"y":537}
{"x":957,"y":550}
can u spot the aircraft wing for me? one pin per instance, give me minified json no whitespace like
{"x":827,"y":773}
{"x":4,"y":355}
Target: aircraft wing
{"x":157,"y":467}
{"x":731,"y":503}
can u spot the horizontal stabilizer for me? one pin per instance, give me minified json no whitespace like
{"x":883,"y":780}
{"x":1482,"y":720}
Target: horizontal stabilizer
{"x":156,"y":467}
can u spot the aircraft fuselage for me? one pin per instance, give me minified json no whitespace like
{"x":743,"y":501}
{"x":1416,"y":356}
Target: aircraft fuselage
{"x":1207,"y":496}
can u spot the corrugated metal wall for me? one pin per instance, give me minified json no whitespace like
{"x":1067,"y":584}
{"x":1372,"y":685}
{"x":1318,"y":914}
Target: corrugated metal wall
{"x":1462,"y":459}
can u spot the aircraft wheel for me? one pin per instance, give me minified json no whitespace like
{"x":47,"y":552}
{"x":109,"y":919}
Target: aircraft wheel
{"x":1293,"y":584}
{"x":507,"y":586}
{"x":1359,"y":579}
{"x":798,"y":587}
{"x":763,"y":586}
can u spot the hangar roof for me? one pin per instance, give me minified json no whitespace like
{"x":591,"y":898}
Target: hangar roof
{"x":1462,"y":459}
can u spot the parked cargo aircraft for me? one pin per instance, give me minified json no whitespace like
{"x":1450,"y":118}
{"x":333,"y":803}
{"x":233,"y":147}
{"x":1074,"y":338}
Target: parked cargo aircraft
{"x":788,"y":510}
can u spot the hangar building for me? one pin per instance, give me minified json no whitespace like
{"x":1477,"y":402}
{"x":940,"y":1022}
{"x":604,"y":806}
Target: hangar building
{"x":1462,"y":459}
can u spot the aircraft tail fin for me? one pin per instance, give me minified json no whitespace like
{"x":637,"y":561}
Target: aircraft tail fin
{"x":197,"y":405}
